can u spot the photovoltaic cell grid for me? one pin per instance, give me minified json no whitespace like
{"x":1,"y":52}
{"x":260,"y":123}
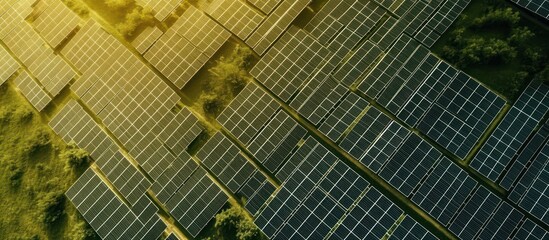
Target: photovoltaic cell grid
{"x":173,"y":176}
{"x":461,"y":115}
{"x":248,"y":112}
{"x":256,"y":191}
{"x":512,"y":132}
{"x":196,"y":202}
{"x":11,"y":12}
{"x":265,"y":6}
{"x":440,"y":21}
{"x":344,"y":115}
{"x":384,"y":147}
{"x":531,"y":192}
{"x":146,"y":39}
{"x":387,"y":33}
{"x":540,"y":7}
{"x":108,"y":215}
{"x":276,"y":141}
{"x":314,"y":196}
{"x":318,"y":98}
{"x":410,"y":164}
{"x":32,"y":91}
{"x":43,"y":64}
{"x":203,"y":32}
{"x":8,"y":65}
{"x":371,"y":218}
{"x":236,"y":16}
{"x":531,"y":230}
{"x":523,"y":160}
{"x":176,"y":58}
{"x":90,"y":47}
{"x":224,"y":159}
{"x":56,"y":22}
{"x":72,"y":123}
{"x":288,"y":65}
{"x":409,"y":228}
{"x":475,"y":214}
{"x":358,"y":63}
{"x":275,"y":24}
{"x":377,"y":79}
{"x":444,"y":191}
{"x":502,"y":224}
{"x":161,"y":8}
{"x":427,"y":93}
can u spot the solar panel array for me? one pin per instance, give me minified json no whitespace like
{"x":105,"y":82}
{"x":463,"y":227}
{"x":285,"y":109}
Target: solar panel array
{"x":146,"y":39}
{"x":496,"y":154}
{"x":224,"y":159}
{"x":32,"y":91}
{"x":338,"y":122}
{"x":275,"y":24}
{"x":187,"y":46}
{"x":108,"y":215}
{"x":8,"y":65}
{"x":257,"y":190}
{"x":162,"y":9}
{"x":461,"y":115}
{"x":276,"y":141}
{"x":409,"y":228}
{"x":50,"y":70}
{"x":289,"y":64}
{"x":236,"y":16}
{"x":358,"y":63}
{"x":265,"y":6}
{"x":248,"y":112}
{"x":196,"y":202}
{"x":540,"y":7}
{"x":531,"y":230}
{"x":56,"y":22}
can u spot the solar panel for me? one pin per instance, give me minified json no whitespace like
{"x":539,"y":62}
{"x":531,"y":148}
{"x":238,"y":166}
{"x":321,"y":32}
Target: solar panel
{"x":385,"y":146}
{"x":163,"y":8}
{"x":173,"y":176}
{"x":179,"y":133}
{"x":344,"y":115}
{"x":387,"y":33}
{"x":461,"y":115}
{"x":172,"y":237}
{"x":531,"y":230}
{"x":512,"y":132}
{"x":409,"y":228}
{"x":248,"y":113}
{"x":203,"y":32}
{"x":176,"y":58}
{"x":196,"y":202}
{"x":365,"y":132}
{"x":539,"y":7}
{"x":358,"y":63}
{"x":502,"y":224}
{"x":371,"y":218}
{"x":146,"y":39}
{"x":49,"y":69}
{"x":276,"y":141}
{"x":415,"y":17}
{"x":475,"y":214}
{"x":275,"y":24}
{"x":444,"y":191}
{"x":236,"y":16}
{"x":410,"y":164}
{"x":107,"y":214}
{"x":56,"y":22}
{"x":32,"y":91}
{"x":446,"y":15}
{"x":313,"y":197}
{"x":290,"y":63}
{"x":318,"y":98}
{"x":427,"y":36}
{"x":522,"y":162}
{"x":377,"y":79}
{"x":427,"y":93}
{"x":265,"y":6}
{"x":224,"y":159}
{"x":8,"y":65}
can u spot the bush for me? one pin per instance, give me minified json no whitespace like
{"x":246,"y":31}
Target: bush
{"x":77,"y":6}
{"x":134,"y":19}
{"x":82,"y":231}
{"x":506,"y":17}
{"x":119,"y":4}
{"x":15,"y":174}
{"x":51,"y":206}
{"x":75,"y":158}
{"x":234,"y":224}
{"x":40,"y":140}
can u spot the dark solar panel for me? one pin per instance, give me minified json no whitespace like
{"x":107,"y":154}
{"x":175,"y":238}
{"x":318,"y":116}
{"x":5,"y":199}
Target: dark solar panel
{"x":475,"y":214}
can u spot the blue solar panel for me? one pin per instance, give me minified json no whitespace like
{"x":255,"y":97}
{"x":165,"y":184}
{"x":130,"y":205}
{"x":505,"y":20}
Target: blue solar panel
{"x":502,"y":224}
{"x":475,"y":214}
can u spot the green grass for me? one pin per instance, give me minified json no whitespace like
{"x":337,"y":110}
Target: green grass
{"x":30,"y":168}
{"x":498,"y":76}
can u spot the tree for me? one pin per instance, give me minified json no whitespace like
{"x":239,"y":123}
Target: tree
{"x":233,"y":223}
{"x":505,"y":17}
{"x":119,"y":4}
{"x":75,"y":158}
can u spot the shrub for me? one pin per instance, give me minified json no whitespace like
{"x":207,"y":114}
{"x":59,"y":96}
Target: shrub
{"x":233,"y":223}
{"x":82,"y":231}
{"x":52,"y":207}
{"x":119,"y":4}
{"x":75,"y":158}
{"x":15,"y":174}
{"x":77,"y":6}
{"x":40,"y":140}
{"x":506,"y":17}
{"x":134,"y":19}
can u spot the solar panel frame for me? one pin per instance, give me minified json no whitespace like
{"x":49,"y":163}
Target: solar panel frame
{"x":56,"y":22}
{"x":236,"y":16}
